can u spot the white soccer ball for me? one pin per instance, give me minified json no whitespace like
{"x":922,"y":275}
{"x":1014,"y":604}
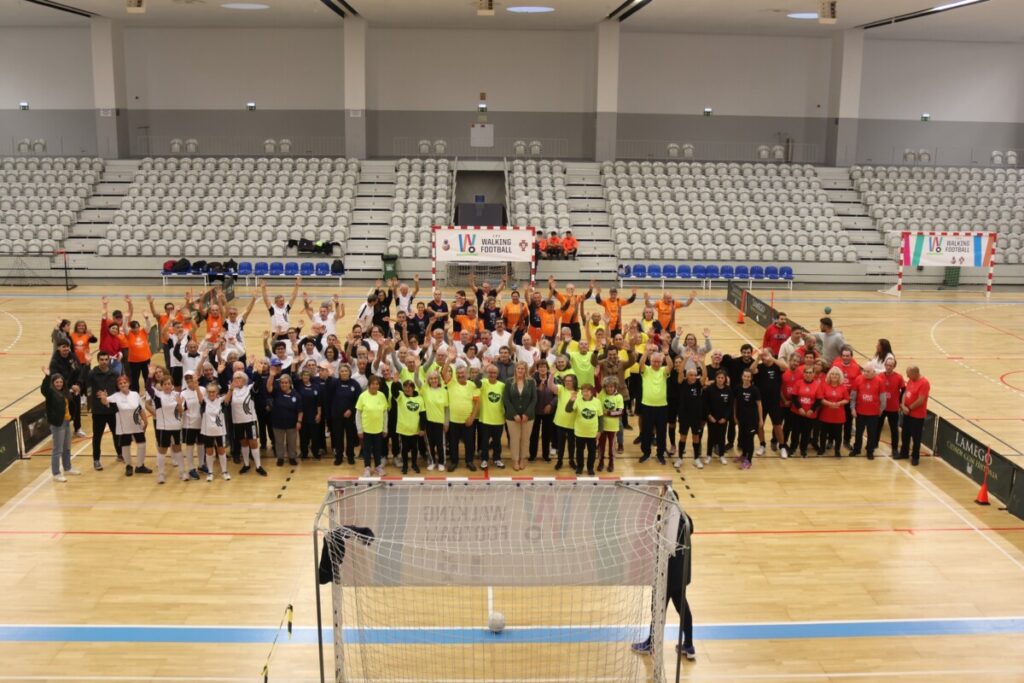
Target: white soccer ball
{"x":497,"y":622}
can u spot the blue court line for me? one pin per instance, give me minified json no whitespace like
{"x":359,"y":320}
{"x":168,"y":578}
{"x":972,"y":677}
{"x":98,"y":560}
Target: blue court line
{"x":540,"y":634}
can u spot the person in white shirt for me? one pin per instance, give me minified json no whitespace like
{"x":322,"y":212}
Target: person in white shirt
{"x":403,"y":296}
{"x":165,"y":405}
{"x":527,"y":352}
{"x":328,"y":315}
{"x":192,"y":396}
{"x":234,"y":325}
{"x":243,"y":421}
{"x":790,"y":346}
{"x":279,"y":310}
{"x":189,"y":356}
{"x":131,"y":426}
{"x":212,"y":430}
{"x":500,"y":338}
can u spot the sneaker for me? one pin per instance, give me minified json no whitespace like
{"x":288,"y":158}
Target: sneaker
{"x":203,"y":469}
{"x":590,"y":473}
{"x":293,"y":462}
{"x":678,"y":463}
{"x":698,"y":463}
{"x":160,"y":479}
{"x":366,"y":472}
{"x":775,"y":446}
{"x":644,"y":458}
{"x":405,"y":469}
{"x":209,"y":477}
{"x":192,"y":474}
{"x":227,"y":477}
{"x":619,"y":450}
{"x":142,"y":469}
{"x":600,"y":465}
{"x":670,"y":451}
{"x":60,"y":477}
{"x":854,"y":454}
{"x":430,"y":467}
{"x":724,"y":460}
{"x":688,"y":651}
{"x":760,"y":451}
{"x":380,"y":470}
{"x":611,"y":467}
{"x":499,"y":464}
{"x":280,"y":462}
{"x":643,"y":648}
{"x":73,"y":472}
{"x":184,"y":476}
{"x":783,"y":453}
{"x":661,"y":459}
{"x":558,"y":465}
{"x":483,"y":464}
{"x":416,"y":468}
{"x":128,"y":470}
{"x":81,"y":434}
{"x":440,"y":468}
{"x":552,"y":453}
{"x":745,"y":465}
{"x":245,"y":468}
{"x":337,"y":462}
{"x":120,"y":458}
{"x":636,"y":441}
{"x":97,"y":465}
{"x":452,"y":466}
{"x":871,"y":456}
{"x":260,"y":471}
{"x":469,"y":466}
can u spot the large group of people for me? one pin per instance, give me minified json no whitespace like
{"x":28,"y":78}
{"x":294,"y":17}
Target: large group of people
{"x":496,"y":375}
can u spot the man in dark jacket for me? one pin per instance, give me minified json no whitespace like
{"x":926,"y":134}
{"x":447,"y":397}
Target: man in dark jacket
{"x":65,"y":364}
{"x":340,"y":396}
{"x":679,"y":570}
{"x":101,"y":381}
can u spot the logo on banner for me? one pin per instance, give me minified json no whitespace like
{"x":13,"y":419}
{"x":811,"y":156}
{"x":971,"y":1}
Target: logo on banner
{"x":446,"y":245}
{"x":935,"y":245}
{"x":467,"y":243}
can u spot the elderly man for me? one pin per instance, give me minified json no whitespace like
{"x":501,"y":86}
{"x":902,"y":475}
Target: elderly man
{"x":914,"y":408}
{"x":654,"y":401}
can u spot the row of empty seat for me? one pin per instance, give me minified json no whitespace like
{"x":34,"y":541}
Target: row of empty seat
{"x":725,"y":271}
{"x":238,"y":164}
{"x":225,"y":234}
{"x":709,"y":168}
{"x":538,"y":195}
{"x":422,"y":199}
{"x":751,"y":252}
{"x":41,"y":197}
{"x":207,"y":248}
{"x":94,"y":164}
{"x":18,"y":246}
{"x":42,"y":232}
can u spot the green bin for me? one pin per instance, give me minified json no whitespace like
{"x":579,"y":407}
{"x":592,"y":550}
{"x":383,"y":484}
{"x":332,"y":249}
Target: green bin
{"x":390,"y":264}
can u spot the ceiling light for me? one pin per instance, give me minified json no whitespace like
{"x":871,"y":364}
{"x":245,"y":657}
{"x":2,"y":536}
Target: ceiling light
{"x":245,"y":5}
{"x":23,"y":106}
{"x":531,"y":9}
{"x":951,"y":5}
{"x":802,"y":15}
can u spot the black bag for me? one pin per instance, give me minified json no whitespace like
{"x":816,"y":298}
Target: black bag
{"x":305,"y":246}
{"x":199,"y":267}
{"x":337,"y":267}
{"x":231,"y":265}
{"x":182,"y":265}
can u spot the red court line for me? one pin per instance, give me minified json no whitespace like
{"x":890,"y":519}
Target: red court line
{"x":724,"y":532}
{"x":981,"y":322}
{"x":1002,"y":378}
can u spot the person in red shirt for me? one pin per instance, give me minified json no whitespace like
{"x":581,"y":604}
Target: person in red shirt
{"x":851,"y":371}
{"x":777,"y":333}
{"x":111,"y":329}
{"x":914,"y":408}
{"x":806,"y":400}
{"x":893,"y":392}
{"x":834,"y":399}
{"x":541,"y":245}
{"x":789,"y":380}
{"x":570,"y":246}
{"x":808,"y":353}
{"x":868,"y":398}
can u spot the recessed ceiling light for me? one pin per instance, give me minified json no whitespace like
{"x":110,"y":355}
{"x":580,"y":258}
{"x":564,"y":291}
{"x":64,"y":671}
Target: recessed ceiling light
{"x":531,"y":9}
{"x":802,"y":15}
{"x":245,"y":5}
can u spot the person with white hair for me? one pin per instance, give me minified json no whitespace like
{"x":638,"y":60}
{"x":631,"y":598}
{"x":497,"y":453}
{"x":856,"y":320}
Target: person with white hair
{"x":654,"y":401}
{"x":835,"y":396}
{"x":328,"y":314}
{"x":868,"y":399}
{"x":243,"y":421}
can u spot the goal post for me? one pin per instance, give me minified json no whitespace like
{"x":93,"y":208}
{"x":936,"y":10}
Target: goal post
{"x":458,"y":580}
{"x":949,"y":250}
{"x":488,"y":252}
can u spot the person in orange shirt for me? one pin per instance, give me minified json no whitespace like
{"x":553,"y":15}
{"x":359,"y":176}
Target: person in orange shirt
{"x":515,"y":316}
{"x":569,"y":305}
{"x":666,"y":308}
{"x":541,"y":246}
{"x":471,"y":322}
{"x":569,"y":246}
{"x":613,"y":306}
{"x":81,"y":338}
{"x":139,"y":353}
{"x":554,"y":246}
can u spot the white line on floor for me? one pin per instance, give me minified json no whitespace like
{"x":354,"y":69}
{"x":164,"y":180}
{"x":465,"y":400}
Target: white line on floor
{"x":21,"y":330}
{"x":40,"y":482}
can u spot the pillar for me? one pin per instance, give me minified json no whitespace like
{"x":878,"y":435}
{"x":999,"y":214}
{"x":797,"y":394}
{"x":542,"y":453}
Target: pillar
{"x":844,"y":97}
{"x":607,"y":99}
{"x":355,"y":86}
{"x":108,"y":86}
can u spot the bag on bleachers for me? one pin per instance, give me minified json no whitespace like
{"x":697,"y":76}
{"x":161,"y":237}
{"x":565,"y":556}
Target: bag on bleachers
{"x":337,"y":267}
{"x":199,"y":267}
{"x":182,"y":265}
{"x":230,"y":265}
{"x":169,"y":266}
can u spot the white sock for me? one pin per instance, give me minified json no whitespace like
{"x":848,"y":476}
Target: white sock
{"x":160,"y":462}
{"x":223,"y":463}
{"x":140,"y":454}
{"x":209,"y":460}
{"x":176,"y":458}
{"x":187,"y":460}
{"x":245,"y":455}
{"x":256,"y":456}
{"x":126,"y":454}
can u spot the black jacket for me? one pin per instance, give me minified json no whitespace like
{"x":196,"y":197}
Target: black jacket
{"x":69,"y":368}
{"x":96,"y":381}
{"x":56,"y":401}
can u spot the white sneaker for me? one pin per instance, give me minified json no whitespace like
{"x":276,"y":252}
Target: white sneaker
{"x":760,"y":450}
{"x":707,"y":459}
{"x":723,"y":460}
{"x":554,"y":453}
{"x":440,"y":468}
{"x":60,"y":477}
{"x":430,"y":467}
{"x":160,"y":478}
{"x":499,"y":464}
{"x":73,"y":472}
{"x":678,"y":463}
{"x":209,"y":477}
{"x":483,"y":465}
{"x":366,"y":472}
{"x":783,"y":453}
{"x":81,"y":433}
{"x":380,"y":471}
{"x":698,"y":463}
{"x":184,"y":476}
{"x":227,"y":477}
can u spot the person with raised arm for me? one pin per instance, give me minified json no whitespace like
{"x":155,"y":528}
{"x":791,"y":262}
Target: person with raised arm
{"x":280,"y":309}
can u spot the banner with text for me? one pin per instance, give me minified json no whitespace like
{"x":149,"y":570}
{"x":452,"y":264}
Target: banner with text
{"x":34,"y":427}
{"x":8,"y":444}
{"x":483,"y":244}
{"x":967,"y":455}
{"x":964,"y":250}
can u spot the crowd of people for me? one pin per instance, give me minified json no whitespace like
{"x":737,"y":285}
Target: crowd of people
{"x":554,"y":374}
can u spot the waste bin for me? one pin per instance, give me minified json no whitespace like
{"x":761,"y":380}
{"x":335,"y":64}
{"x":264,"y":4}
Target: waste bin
{"x":390,"y":264}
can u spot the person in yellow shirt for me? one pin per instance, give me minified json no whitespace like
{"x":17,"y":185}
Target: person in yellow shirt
{"x":435,"y":399}
{"x":411,"y":424}
{"x":492,"y":417}
{"x":654,"y":401}
{"x":588,"y":413}
{"x":372,"y":425}
{"x":612,"y":405}
{"x":464,"y":406}
{"x":565,"y":438}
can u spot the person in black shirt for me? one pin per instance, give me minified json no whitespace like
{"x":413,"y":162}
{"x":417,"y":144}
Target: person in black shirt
{"x":382,"y":310}
{"x":686,"y":403}
{"x":735,"y":367}
{"x":439,"y":311}
{"x":485,"y":290}
{"x":101,"y":381}
{"x":748,"y":415}
{"x":490,"y":313}
{"x":459,"y":307}
{"x":420,"y":322}
{"x":718,"y":413}
{"x":768,"y":380}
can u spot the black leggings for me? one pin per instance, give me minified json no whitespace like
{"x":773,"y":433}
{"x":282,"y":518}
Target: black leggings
{"x":411,"y":445}
{"x":99,"y":422}
{"x":543,"y":435}
{"x":833,"y":432}
{"x":75,"y":409}
{"x":435,"y":443}
{"x":307,"y":439}
{"x":800,"y":432}
{"x":137,"y":371}
{"x":565,"y":440}
{"x":745,"y":436}
{"x":588,"y":444}
{"x":343,"y":438}
{"x":490,"y":441}
{"x":716,"y":438}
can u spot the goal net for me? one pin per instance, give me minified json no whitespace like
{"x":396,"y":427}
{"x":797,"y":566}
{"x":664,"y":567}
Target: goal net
{"x":488,"y":253}
{"x":948,"y":253}
{"x":539,"y":580}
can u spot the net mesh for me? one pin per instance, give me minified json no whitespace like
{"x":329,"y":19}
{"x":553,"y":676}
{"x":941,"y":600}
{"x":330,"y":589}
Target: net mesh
{"x":457,"y":274}
{"x":424,"y":574}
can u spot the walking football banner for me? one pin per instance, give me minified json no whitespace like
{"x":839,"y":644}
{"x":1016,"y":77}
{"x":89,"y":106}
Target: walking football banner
{"x":483,"y":244}
{"x":963,"y":250}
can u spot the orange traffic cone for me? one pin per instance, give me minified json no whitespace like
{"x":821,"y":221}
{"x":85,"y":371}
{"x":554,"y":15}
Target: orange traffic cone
{"x":743,"y":304}
{"x":982,"y":498}
{"x":739,"y":319}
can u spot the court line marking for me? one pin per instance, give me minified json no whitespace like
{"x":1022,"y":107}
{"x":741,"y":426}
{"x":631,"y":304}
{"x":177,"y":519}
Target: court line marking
{"x":21,"y":330}
{"x":698,"y":676}
{"x":25,"y":494}
{"x":929,"y":488}
{"x":959,"y":360}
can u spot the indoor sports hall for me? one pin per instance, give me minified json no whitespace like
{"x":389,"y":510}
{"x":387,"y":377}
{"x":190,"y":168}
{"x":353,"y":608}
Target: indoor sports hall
{"x":466,"y":341}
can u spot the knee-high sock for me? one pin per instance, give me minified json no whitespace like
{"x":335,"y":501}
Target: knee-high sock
{"x":176,"y":458}
{"x":223,"y":463}
{"x":696,"y":449}
{"x":140,"y":454}
{"x":245,"y":455}
{"x":160,"y":462}
{"x":187,"y":462}
{"x":126,"y":453}
{"x":256,"y":456}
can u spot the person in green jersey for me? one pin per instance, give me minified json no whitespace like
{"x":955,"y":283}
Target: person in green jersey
{"x":582,"y":363}
{"x":587,"y":415}
{"x":653,"y":401}
{"x":492,"y":417}
{"x":372,"y":425}
{"x":464,"y":406}
{"x":613,"y":404}
{"x":564,"y":421}
{"x":411,"y":424}
{"x":435,"y":399}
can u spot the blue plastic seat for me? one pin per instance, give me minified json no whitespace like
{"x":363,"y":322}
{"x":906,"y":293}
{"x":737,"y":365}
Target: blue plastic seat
{"x":756,"y":272}
{"x":668,"y":271}
{"x":727,"y":272}
{"x":261,"y":269}
{"x":639,"y":270}
{"x":245,"y":268}
{"x":786,"y":273}
{"x":291,"y":269}
{"x":700,"y":272}
{"x":276,"y":269}
{"x":771,"y":272}
{"x":306,"y":269}
{"x":712,"y":272}
{"x":654,"y":270}
{"x":323,"y":269}
{"x":684,"y":272}
{"x":742,"y":273}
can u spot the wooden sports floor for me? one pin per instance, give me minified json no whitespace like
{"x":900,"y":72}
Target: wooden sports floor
{"x":804,"y":570}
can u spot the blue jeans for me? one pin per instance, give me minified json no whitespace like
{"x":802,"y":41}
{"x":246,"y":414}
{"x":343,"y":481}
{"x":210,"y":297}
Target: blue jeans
{"x":61,"y":447}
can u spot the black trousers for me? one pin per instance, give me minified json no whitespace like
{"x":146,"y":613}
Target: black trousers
{"x":589,"y":445}
{"x":913,"y":427}
{"x":869,"y":423}
{"x":490,"y":441}
{"x":135,"y":371}
{"x":654,"y":427}
{"x":435,"y":443}
{"x":565,"y":440}
{"x":343,"y":439}
{"x":458,"y":433}
{"x":543,"y":435}
{"x":98,"y":424}
{"x":893,"y":418}
{"x":75,"y":409}
{"x":307,"y":439}
{"x":716,"y":438}
{"x":263,"y":429}
{"x":410,"y":449}
{"x":745,"y":436}
{"x":848,"y":425}
{"x":800,"y":433}
{"x":831,"y":432}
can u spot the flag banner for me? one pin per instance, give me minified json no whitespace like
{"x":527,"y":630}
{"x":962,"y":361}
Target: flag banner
{"x":961,"y":249}
{"x":483,"y":244}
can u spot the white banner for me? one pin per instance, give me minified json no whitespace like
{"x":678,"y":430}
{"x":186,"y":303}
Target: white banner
{"x":483,"y":244}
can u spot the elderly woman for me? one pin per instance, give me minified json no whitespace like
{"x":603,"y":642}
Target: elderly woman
{"x":692,"y":355}
{"x":834,"y":398}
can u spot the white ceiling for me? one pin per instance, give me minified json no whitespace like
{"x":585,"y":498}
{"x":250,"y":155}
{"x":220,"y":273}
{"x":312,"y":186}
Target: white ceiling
{"x":995,"y":20}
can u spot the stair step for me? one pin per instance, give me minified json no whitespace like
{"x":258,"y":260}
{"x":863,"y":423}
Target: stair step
{"x":112,"y":176}
{"x":842,"y":195}
{"x":101,"y":202}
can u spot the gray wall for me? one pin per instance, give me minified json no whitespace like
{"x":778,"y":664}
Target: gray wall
{"x":68,"y":132}
{"x":950,"y":142}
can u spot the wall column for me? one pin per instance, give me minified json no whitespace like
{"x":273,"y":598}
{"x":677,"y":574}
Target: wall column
{"x":844,"y":97}
{"x":607,"y":104}
{"x":108,"y":86}
{"x":355,"y":86}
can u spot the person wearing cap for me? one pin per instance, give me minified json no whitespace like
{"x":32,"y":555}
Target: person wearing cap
{"x":569,"y":246}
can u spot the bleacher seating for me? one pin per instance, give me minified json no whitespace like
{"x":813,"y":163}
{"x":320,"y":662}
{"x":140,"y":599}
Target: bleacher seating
{"x":933,"y":198}
{"x":538,"y":195}
{"x":695,"y":211}
{"x":423,"y":197}
{"x":232,"y":206}
{"x":40,"y":198}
